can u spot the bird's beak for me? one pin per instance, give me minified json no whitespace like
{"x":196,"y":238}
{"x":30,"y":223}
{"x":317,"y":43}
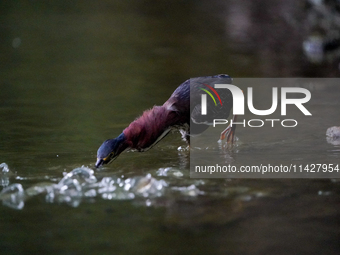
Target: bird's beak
{"x":99,"y":162}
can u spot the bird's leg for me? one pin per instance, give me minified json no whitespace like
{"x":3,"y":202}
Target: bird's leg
{"x":229,"y":132}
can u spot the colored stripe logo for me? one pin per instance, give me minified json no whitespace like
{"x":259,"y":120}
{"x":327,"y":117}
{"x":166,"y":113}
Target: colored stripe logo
{"x":213,"y":90}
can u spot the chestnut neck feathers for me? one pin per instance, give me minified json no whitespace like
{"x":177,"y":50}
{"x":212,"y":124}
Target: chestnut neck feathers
{"x":152,"y":126}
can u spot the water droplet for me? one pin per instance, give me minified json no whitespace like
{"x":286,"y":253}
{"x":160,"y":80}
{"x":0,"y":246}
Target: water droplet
{"x":13,"y":196}
{"x":4,"y":168}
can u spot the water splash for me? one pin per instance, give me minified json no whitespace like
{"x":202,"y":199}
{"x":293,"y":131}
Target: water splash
{"x":5,"y":174}
{"x":191,"y":190}
{"x":13,"y":196}
{"x":169,"y":171}
{"x":4,"y":168}
{"x":72,"y":187}
{"x":81,"y":184}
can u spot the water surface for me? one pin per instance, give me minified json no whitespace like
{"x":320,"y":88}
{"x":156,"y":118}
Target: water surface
{"x":75,"y":74}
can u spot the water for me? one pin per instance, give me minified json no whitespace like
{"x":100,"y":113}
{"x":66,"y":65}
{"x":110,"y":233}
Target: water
{"x":75,"y":74}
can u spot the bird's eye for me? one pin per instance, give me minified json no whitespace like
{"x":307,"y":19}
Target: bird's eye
{"x":110,"y":156}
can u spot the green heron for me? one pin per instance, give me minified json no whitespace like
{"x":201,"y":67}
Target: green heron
{"x":182,"y":111}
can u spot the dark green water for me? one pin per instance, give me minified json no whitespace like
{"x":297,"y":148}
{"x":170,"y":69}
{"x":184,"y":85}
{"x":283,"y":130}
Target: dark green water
{"x":75,"y":74}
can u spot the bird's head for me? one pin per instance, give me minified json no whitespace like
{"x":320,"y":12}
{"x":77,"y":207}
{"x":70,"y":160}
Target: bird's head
{"x":110,"y":150}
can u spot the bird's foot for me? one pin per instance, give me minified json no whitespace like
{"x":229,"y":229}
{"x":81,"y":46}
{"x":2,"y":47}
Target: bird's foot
{"x":229,"y":132}
{"x":225,"y":132}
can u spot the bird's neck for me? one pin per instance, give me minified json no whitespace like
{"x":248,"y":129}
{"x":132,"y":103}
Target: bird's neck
{"x":151,"y":127}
